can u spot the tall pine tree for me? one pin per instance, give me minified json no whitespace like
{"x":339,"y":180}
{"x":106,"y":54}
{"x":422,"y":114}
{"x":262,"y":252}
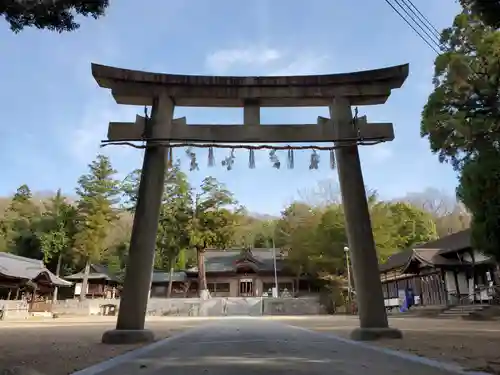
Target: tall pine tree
{"x":98,"y":193}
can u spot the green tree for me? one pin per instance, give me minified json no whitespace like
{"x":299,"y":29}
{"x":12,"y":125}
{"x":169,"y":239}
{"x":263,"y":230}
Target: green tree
{"x":332,"y":238}
{"x":50,"y":14}
{"x":295,"y":231}
{"x":413,"y":226}
{"x":130,"y":188}
{"x":56,"y":232}
{"x":462,"y":118}
{"x":174,"y":227}
{"x":117,"y":244}
{"x":487,"y":10}
{"x":98,"y":193}
{"x":19,"y":225}
{"x":246,"y":229}
{"x":462,"y":115}
{"x":212,"y":223}
{"x":479,"y":191}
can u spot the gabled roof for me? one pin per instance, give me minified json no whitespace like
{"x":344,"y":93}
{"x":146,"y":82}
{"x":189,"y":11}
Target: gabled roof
{"x":396,"y":260}
{"x":453,"y":242}
{"x":432,"y":257}
{"x":97,"y":272}
{"x":18,"y":267}
{"x":431,"y":252}
{"x":228,"y":260}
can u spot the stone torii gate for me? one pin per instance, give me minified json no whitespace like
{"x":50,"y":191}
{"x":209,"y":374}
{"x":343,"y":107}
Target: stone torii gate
{"x":161,"y":132}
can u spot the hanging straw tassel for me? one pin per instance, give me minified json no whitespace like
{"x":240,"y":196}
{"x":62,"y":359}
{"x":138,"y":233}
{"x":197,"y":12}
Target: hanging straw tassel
{"x":251,"y":159}
{"x":314,"y":162}
{"x":211,"y":157}
{"x":332,"y":159}
{"x":291,"y":162}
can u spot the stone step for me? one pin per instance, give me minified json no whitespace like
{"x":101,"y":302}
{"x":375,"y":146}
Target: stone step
{"x":463,"y":311}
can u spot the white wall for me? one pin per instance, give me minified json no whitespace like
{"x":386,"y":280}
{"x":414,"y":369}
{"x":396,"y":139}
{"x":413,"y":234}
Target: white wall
{"x":478,"y":257}
{"x":449,"y":279}
{"x":463,"y":283}
{"x":451,"y":286}
{"x":78,"y":289}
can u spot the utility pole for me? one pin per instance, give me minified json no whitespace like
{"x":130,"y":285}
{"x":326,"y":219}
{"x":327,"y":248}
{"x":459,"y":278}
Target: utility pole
{"x":349,"y":288}
{"x":275,"y":270}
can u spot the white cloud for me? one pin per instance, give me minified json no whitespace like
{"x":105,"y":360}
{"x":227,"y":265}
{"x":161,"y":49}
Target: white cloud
{"x":94,"y":127}
{"x":258,"y":60}
{"x":304,"y":64}
{"x":377,"y":154}
{"x":223,"y":60}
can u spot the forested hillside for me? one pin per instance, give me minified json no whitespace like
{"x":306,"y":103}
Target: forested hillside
{"x":94,"y":224}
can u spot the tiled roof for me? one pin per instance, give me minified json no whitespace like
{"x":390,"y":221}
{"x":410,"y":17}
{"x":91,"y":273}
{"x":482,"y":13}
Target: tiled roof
{"x":28,"y":269}
{"x":226,"y":260}
{"x":431,"y":252}
{"x":433,"y":257}
{"x":97,"y":272}
{"x":454,"y":242}
{"x":397,"y":260}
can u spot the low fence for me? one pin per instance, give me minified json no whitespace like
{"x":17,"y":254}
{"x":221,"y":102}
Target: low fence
{"x":218,"y":306}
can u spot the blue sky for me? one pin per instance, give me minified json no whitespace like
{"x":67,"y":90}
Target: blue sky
{"x":54,"y":115}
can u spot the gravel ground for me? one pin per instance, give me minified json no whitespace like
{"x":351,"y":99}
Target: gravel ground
{"x":474,"y":345}
{"x":60,"y":350}
{"x":63,"y":350}
{"x":478,"y":352}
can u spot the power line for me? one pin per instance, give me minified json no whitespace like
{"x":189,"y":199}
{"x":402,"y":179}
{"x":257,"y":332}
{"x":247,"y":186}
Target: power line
{"x":413,"y":27}
{"x":424,"y":28}
{"x":425,"y":20}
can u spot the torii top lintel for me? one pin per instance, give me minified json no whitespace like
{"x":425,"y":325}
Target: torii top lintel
{"x":136,"y":87}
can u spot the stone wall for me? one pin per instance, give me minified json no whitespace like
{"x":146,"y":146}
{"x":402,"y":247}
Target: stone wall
{"x":86,"y":307}
{"x":14,"y":309}
{"x":292,"y":306}
{"x":217,"y":306}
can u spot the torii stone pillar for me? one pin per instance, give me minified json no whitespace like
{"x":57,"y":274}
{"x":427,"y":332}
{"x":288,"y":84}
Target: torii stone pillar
{"x":370,"y":299}
{"x":138,"y":274}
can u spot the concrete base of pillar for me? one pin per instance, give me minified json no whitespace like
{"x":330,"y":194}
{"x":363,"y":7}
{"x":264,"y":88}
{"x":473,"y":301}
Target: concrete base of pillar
{"x":204,"y":294}
{"x":372,"y":334}
{"x":127,"y":336}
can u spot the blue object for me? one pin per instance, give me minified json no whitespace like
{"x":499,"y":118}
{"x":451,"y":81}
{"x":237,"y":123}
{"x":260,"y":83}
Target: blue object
{"x":406,"y":299}
{"x":403,"y":307}
{"x":410,"y":298}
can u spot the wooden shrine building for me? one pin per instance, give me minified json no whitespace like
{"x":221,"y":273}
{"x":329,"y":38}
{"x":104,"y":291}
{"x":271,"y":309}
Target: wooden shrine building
{"x":234,"y":273}
{"x":446,"y":271}
{"x":101,"y":282}
{"x":27,"y":279}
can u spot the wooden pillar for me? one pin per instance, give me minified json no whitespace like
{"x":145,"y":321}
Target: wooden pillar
{"x":251,"y":112}
{"x":420,"y":289}
{"x":474,"y":274}
{"x":387,"y":287}
{"x":139,"y":271}
{"x":442,"y":279}
{"x":457,"y":285}
{"x":370,"y":299}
